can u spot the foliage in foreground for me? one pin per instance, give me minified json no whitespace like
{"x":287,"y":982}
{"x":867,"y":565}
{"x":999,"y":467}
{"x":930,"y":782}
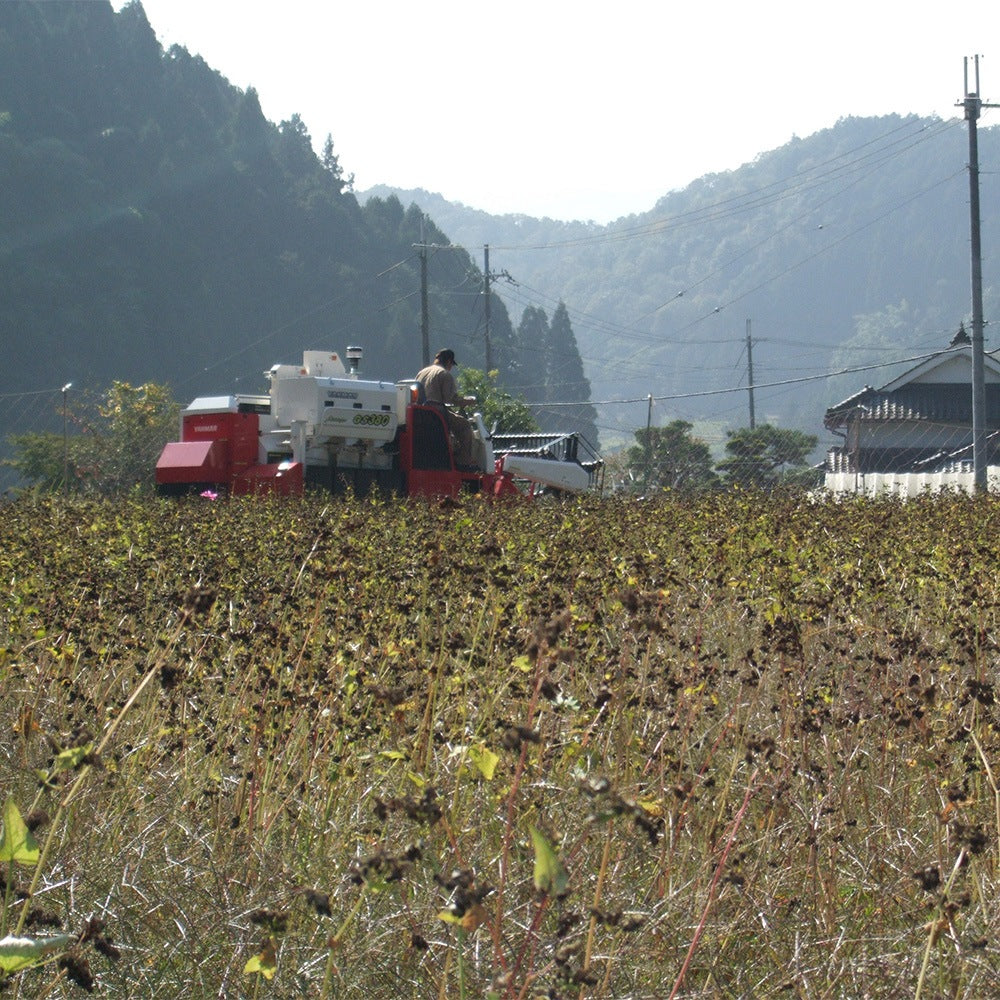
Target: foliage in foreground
{"x":738,"y":747}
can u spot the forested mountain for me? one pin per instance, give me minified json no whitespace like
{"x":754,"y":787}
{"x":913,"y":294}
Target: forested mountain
{"x":155,"y":227}
{"x":844,"y":249}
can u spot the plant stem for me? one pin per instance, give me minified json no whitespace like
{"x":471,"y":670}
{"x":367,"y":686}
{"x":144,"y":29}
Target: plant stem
{"x":67,"y":799}
{"x":737,"y":821}
{"x":934,"y":931}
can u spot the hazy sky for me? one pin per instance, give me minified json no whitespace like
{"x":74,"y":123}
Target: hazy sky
{"x":576,"y":109}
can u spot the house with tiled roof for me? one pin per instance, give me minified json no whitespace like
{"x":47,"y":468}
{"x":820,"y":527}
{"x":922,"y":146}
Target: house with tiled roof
{"x":915,"y":433}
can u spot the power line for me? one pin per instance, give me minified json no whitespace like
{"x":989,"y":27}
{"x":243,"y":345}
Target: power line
{"x":597,"y":324}
{"x":760,"y":385}
{"x":758,"y":197}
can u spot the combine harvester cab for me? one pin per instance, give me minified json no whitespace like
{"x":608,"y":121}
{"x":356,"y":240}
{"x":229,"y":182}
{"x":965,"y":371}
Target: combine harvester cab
{"x":322,"y":426}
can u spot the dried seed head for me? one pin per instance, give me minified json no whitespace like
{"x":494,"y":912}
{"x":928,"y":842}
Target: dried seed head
{"x":929,"y":878}
{"x":514,"y":736}
{"x":198,"y":600}
{"x":36,"y":819}
{"x":595,"y":785}
{"x":276,"y":921}
{"x":77,"y":970}
{"x":319,"y":901}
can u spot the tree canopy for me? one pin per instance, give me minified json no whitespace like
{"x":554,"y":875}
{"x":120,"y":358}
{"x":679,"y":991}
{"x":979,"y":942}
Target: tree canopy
{"x":670,"y":458}
{"x":107,"y":445}
{"x":766,"y":456}
{"x":500,"y":409}
{"x":551,"y":372}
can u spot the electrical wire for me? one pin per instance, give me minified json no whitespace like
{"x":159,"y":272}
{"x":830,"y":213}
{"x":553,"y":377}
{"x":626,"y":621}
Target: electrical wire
{"x":758,"y":197}
{"x":757,"y":385}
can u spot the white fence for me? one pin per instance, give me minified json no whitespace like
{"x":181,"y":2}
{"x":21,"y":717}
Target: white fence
{"x":907,"y":484}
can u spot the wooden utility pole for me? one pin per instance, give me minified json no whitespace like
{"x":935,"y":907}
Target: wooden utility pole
{"x":750,"y":374}
{"x":649,"y":440}
{"x":425,"y":315}
{"x":973,"y":106}
{"x":65,"y":389}
{"x":486,"y":288}
{"x":425,"y":312}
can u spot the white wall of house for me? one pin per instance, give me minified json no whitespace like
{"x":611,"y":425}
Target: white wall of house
{"x":907,"y":484}
{"x":954,"y":370}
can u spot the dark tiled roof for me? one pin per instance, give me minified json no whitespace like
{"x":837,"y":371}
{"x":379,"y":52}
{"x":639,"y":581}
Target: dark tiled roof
{"x":941,"y":402}
{"x":880,"y":459}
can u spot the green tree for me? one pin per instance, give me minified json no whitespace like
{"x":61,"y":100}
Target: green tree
{"x":566,"y":381}
{"x":767,"y":456}
{"x":551,"y":371}
{"x":40,"y":460}
{"x":499,"y":408}
{"x":331,"y":164}
{"x":295,"y":147}
{"x":138,"y":422}
{"x":532,"y":341}
{"x":114,"y":446}
{"x":670,"y":458}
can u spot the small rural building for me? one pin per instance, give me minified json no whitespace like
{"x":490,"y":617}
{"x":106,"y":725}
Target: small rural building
{"x":915,"y":433}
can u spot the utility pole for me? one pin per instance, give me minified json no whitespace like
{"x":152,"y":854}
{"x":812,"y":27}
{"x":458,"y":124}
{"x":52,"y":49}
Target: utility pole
{"x":425,"y":316}
{"x":65,"y":389}
{"x":486,"y":287}
{"x":750,"y":374}
{"x":649,"y":440}
{"x":973,"y":105}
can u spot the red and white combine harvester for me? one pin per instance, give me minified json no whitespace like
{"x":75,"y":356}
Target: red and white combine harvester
{"x":321,"y":425}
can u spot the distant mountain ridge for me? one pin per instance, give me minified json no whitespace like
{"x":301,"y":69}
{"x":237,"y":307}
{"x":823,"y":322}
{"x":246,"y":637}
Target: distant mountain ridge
{"x":153,"y":225}
{"x":843,"y":249}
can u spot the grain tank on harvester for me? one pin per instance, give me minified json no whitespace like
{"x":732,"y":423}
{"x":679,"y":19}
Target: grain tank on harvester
{"x":321,"y":425}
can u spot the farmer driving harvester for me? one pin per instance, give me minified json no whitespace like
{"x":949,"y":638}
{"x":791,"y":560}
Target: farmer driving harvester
{"x":441,"y":392}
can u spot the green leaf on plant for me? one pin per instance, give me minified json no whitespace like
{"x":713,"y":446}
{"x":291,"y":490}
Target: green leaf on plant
{"x":17,"y":843}
{"x":18,"y":953}
{"x":485,"y":761}
{"x":523,"y":663}
{"x":71,"y":759}
{"x":550,"y":875}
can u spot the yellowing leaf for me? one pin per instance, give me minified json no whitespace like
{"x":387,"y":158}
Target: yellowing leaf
{"x":474,"y":916}
{"x":550,"y":875}
{"x":26,"y":724}
{"x":485,"y":761}
{"x":523,"y":663}
{"x":264,"y":964}
{"x":17,"y":843}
